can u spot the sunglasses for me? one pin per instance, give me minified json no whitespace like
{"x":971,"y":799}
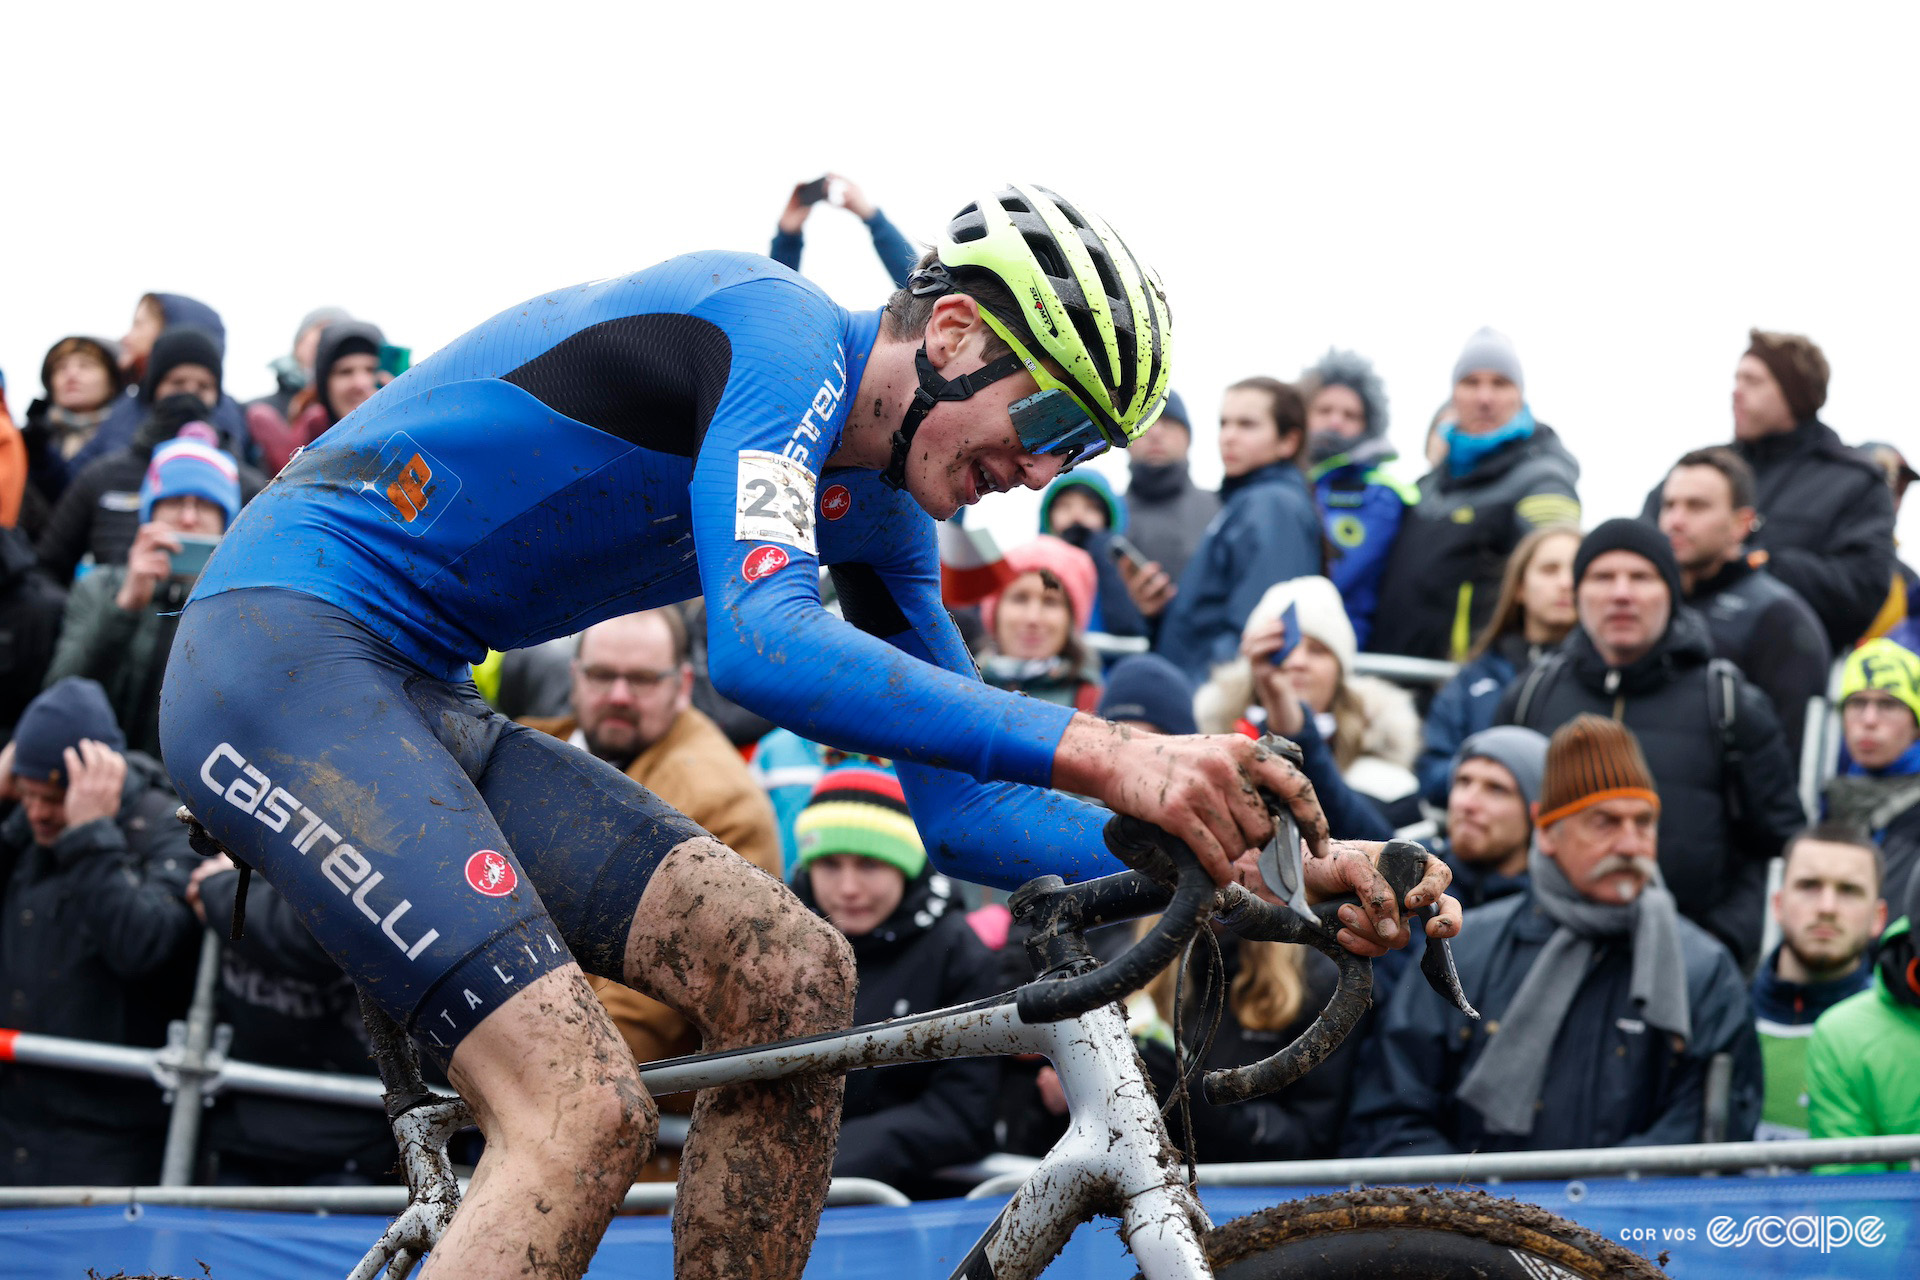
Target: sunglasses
{"x":1054,"y":420}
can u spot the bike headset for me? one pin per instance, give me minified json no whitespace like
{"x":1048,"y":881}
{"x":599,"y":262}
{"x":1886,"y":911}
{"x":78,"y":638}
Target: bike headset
{"x":1091,"y":311}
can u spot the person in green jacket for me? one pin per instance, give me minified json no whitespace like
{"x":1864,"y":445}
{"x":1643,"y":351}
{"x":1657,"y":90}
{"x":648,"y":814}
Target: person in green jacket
{"x":1863,"y":1067}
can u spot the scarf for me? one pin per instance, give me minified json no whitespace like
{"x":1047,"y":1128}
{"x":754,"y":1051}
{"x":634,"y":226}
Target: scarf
{"x":1466,"y":452}
{"x":1505,"y":1084}
{"x":70,"y":429}
{"x":1872,"y":798}
{"x":1157,"y":481}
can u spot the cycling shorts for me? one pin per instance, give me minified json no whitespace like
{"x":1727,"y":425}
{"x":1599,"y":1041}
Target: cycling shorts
{"x":443,"y":855}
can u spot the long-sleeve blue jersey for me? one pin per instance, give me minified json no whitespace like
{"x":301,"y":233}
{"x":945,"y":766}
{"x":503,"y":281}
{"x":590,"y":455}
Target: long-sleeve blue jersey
{"x":633,"y":442}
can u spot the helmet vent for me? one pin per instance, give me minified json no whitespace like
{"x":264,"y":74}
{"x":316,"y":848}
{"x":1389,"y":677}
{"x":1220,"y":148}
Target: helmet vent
{"x":1048,"y":254}
{"x":1090,"y":338}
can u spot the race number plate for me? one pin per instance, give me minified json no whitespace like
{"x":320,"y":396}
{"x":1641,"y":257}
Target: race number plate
{"x":774,"y":501}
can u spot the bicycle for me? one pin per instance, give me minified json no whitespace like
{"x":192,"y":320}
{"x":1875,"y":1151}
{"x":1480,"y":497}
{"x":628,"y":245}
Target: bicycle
{"x":1116,"y":1159}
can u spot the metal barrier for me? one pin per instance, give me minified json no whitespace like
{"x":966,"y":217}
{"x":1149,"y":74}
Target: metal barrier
{"x":1485,"y":1168}
{"x":217,"y":1074}
{"x":381,"y":1200}
{"x":1404,"y":670}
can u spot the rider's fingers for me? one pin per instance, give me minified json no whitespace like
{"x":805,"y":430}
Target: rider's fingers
{"x":1361,"y":943}
{"x":1446,"y":921}
{"x":1207,"y":846}
{"x":1379,"y":916}
{"x":1278,"y":775}
{"x":1432,"y":885}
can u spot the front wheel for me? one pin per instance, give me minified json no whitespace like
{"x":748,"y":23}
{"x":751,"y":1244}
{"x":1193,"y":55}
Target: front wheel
{"x":1391,"y":1232}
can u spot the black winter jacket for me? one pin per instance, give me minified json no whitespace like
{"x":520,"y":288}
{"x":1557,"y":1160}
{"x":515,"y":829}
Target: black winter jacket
{"x":31,"y":607}
{"x":1762,"y":626}
{"x":1303,"y":1120}
{"x":1612,"y":1080}
{"x":100,"y":510}
{"x":901,"y":1124}
{"x":1717,"y":871}
{"x":1826,"y":524}
{"x":289,"y":1006}
{"x":96,"y":943}
{"x":1443,"y":576}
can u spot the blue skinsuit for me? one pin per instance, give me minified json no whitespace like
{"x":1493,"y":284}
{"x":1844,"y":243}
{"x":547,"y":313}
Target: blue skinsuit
{"x":574,"y":458}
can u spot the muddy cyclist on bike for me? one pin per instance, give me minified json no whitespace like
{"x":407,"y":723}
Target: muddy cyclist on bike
{"x":712,"y":425}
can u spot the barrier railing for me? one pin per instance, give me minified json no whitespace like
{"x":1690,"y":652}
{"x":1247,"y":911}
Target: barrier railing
{"x":1403,"y":670}
{"x":383,"y":1200}
{"x":216,"y":1074}
{"x":1488,"y":1168}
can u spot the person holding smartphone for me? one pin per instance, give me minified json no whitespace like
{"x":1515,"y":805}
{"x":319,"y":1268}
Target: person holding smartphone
{"x":120,"y":618}
{"x":896,"y":253}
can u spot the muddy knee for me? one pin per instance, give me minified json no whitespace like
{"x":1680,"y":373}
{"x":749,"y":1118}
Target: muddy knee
{"x":795,"y":978}
{"x":825,"y":973}
{"x":617,"y":1121}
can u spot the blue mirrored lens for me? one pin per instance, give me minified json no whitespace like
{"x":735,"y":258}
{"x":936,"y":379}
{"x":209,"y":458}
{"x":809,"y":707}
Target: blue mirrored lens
{"x":1050,"y":422}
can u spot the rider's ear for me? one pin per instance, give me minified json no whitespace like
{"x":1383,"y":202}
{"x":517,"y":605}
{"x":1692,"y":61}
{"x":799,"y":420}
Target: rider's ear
{"x":954,"y":329}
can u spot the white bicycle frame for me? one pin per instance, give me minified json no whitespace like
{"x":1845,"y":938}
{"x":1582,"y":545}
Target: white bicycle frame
{"x":1112,"y":1161}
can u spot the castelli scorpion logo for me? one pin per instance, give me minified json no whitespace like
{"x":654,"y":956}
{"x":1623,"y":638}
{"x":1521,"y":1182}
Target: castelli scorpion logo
{"x":762,"y":561}
{"x":490,"y":873}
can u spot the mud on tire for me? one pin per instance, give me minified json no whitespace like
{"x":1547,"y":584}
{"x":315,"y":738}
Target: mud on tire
{"x":1392,"y":1232}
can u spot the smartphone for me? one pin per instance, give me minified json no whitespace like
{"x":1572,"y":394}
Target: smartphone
{"x":813,"y":192}
{"x":395,"y":360}
{"x":191,"y":558}
{"x":1290,"y":619}
{"x":1121,"y":549}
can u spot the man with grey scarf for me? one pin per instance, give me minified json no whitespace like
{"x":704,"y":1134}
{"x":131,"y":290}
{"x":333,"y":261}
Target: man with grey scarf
{"x":1602,"y":1007}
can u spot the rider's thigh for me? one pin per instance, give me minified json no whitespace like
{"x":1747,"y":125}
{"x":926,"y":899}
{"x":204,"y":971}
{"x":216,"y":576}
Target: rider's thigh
{"x":342,"y":774}
{"x":589,"y":836}
{"x":734,"y":950}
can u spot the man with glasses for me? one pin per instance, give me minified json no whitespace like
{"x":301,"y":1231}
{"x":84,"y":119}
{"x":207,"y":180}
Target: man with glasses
{"x":714,"y":425}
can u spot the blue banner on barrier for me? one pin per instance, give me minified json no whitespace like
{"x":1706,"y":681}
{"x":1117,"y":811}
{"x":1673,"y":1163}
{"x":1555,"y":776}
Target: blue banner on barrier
{"x":1861,"y":1227}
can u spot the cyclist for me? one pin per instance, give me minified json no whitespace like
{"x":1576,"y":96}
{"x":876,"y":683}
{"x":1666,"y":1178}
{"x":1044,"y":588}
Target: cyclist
{"x":712,"y":425}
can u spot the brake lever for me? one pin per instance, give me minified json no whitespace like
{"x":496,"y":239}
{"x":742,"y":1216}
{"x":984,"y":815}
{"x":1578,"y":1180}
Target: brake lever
{"x":1281,"y":866}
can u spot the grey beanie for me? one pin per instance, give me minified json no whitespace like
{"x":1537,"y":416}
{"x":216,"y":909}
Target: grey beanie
{"x":322,"y":316}
{"x":1522,"y":752}
{"x":1489,"y":351}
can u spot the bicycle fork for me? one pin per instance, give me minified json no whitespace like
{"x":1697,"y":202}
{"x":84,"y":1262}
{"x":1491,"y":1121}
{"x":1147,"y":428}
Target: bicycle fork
{"x":1115,"y":1160}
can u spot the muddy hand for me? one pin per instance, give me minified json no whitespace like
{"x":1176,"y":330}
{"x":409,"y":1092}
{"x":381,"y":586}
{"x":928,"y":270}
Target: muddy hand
{"x":1348,"y":882}
{"x":1204,"y":790}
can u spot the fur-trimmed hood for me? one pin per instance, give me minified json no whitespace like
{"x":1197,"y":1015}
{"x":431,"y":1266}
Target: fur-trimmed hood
{"x":1391,"y":735}
{"x":1393,"y":725}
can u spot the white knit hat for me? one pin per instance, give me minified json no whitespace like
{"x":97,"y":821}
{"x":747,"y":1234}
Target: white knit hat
{"x":1320,"y":611}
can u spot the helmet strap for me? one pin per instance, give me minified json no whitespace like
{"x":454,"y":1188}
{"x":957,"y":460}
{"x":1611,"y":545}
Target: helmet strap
{"x":932,"y":390}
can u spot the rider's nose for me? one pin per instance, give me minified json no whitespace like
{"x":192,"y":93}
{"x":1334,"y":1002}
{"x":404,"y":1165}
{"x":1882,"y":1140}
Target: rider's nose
{"x":1039,"y":469}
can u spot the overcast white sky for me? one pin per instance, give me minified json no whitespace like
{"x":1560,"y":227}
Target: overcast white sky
{"x":1624,"y":190}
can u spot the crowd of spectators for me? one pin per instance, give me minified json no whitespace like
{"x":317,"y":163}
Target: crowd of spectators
{"x":1614,"y":764}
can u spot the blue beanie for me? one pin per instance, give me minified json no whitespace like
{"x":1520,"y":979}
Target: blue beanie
{"x":1148,"y":688}
{"x":1176,"y":409}
{"x":1094,"y":483}
{"x":183,"y":467}
{"x":69,"y":710}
